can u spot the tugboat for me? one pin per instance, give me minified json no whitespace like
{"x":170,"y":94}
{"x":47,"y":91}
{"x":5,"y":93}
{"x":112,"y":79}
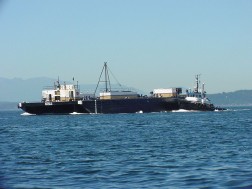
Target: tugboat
{"x":197,"y":99}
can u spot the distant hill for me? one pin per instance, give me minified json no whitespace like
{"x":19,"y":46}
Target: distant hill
{"x":18,"y":90}
{"x":237,"y":98}
{"x":8,"y":106}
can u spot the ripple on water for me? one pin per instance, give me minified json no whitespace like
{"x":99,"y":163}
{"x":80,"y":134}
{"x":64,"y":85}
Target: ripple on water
{"x":166,"y":150}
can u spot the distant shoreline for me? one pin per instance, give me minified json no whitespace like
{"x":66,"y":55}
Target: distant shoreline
{"x":8,"y":106}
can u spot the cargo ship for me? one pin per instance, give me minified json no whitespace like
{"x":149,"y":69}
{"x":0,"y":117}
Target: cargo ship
{"x":67,"y":99}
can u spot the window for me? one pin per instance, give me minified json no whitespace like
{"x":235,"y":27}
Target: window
{"x":50,"y":97}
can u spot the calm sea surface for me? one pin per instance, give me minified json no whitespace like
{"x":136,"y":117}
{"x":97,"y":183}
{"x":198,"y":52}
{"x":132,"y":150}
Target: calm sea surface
{"x":156,"y":150}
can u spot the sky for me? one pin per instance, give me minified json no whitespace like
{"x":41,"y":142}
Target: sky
{"x":147,"y":43}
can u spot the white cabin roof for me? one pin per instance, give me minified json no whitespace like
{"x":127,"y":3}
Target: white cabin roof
{"x":163,"y":91}
{"x":118,"y":93}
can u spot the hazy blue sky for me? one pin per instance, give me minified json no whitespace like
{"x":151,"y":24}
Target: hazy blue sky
{"x":147,"y":43}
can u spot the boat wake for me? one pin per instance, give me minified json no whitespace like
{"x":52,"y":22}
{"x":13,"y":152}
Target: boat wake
{"x":183,"y":110}
{"x":139,"y":112}
{"x":240,"y":110}
{"x":233,"y":110}
{"x":76,"y":113}
{"x":27,"y":114}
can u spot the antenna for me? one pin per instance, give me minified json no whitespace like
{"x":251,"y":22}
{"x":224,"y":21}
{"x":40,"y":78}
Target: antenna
{"x":58,"y":83}
{"x":197,"y":77}
{"x":203,"y":91}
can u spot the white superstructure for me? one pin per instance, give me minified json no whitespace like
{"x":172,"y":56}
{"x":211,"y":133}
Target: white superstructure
{"x":63,"y":93}
{"x":118,"y":95}
{"x":198,"y":95}
{"x":170,"y":92}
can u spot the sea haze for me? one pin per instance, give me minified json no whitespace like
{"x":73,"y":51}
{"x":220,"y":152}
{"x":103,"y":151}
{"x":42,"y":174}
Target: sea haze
{"x":155,"y":150}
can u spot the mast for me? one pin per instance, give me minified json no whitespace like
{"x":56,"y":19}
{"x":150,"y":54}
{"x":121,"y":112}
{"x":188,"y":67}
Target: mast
{"x":203,"y":90}
{"x":196,"y":89}
{"x":107,"y":80}
{"x":106,"y":76}
{"x":58,"y":85}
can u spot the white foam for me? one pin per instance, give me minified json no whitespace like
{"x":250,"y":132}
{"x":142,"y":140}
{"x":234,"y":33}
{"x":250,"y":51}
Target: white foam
{"x":27,"y":114}
{"x":76,"y":113}
{"x":240,"y":110}
{"x":183,"y":110}
{"x":139,"y":112}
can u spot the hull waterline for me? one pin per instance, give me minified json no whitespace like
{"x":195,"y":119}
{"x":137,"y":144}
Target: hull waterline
{"x":41,"y":108}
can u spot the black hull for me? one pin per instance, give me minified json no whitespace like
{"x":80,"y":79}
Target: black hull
{"x":187,"y":105}
{"x":144,"y":105}
{"x":53,"y":108}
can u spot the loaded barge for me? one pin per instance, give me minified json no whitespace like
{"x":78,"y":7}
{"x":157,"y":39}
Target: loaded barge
{"x":67,"y":99}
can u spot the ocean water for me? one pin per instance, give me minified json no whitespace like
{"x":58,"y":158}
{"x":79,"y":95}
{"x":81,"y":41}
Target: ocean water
{"x":155,"y":150}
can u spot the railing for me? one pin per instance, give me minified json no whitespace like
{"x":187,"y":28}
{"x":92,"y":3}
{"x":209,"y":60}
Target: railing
{"x":118,"y":90}
{"x":48,"y":87}
{"x":76,"y":87}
